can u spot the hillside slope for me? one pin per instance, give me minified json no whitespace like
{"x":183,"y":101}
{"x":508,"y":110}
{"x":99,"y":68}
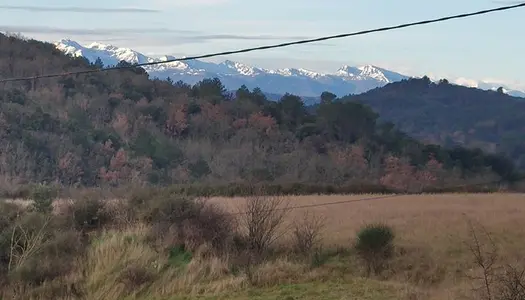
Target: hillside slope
{"x":120,"y":127}
{"x":453,"y":115}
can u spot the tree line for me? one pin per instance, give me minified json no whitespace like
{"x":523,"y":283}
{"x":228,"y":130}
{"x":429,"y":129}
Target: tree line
{"x":123,"y":128}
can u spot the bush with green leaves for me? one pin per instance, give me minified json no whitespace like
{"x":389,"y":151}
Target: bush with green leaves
{"x":375,"y":245}
{"x":42,"y":196}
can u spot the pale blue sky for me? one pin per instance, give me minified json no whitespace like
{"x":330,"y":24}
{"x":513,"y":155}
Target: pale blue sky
{"x":481,"y":47}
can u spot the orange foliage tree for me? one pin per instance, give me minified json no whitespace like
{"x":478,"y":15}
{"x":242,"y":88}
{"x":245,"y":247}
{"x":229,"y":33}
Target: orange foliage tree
{"x":400,"y":175}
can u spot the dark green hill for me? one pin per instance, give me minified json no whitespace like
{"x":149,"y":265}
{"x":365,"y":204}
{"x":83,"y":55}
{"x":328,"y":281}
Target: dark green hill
{"x":453,"y":115}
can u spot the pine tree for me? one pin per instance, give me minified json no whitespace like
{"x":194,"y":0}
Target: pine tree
{"x":98,"y":63}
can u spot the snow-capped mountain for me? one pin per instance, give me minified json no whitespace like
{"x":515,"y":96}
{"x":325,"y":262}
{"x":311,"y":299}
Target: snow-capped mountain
{"x":303,"y":82}
{"x":489,"y":86}
{"x":345,"y":80}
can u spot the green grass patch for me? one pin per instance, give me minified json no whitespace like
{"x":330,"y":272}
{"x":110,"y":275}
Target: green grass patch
{"x":355,"y":289}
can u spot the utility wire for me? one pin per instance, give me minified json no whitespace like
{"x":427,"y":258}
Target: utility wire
{"x":306,"y":41}
{"x":521,"y":178}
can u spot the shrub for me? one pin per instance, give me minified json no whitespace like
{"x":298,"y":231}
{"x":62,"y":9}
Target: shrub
{"x":262,"y":189}
{"x":34,"y":249}
{"x":37,"y":270}
{"x":375,"y":245}
{"x":121,"y":213}
{"x":262,"y":221}
{"x":307,"y":232}
{"x":496,"y":282}
{"x":135,"y":275}
{"x":38,"y":251}
{"x":167,"y":215}
{"x":178,"y":220}
{"x":42,"y":196}
{"x":29,"y":235}
{"x":9,"y":215}
{"x":179,"y":257}
{"x":319,"y":257}
{"x":211,"y":225}
{"x":511,"y":285}
{"x":89,"y":214}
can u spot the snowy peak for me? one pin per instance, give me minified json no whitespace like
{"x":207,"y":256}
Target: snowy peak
{"x":373,"y":72}
{"x":68,"y":44}
{"x":348,"y":71}
{"x":346,"y":80}
{"x":296,"y":72}
{"x":241,"y":69}
{"x":369,"y":72}
{"x":493,"y":86}
{"x":167,"y":57}
{"x":122,"y":53}
{"x":109,"y":54}
{"x":169,"y":63}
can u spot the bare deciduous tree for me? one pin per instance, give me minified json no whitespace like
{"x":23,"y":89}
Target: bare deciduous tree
{"x":262,"y":220}
{"x":307,"y":232}
{"x":511,"y":284}
{"x":26,"y":242}
{"x":485,"y":257}
{"x":507,"y":283}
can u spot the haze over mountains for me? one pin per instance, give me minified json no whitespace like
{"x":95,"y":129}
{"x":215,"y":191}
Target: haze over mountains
{"x":346,"y":80}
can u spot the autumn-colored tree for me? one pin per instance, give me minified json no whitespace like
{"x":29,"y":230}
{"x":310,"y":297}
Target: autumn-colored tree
{"x":398,"y":174}
{"x":261,"y":122}
{"x":350,"y":163}
{"x":239,"y":123}
{"x":177,"y":121}
{"x":69,"y":167}
{"x":121,"y":124}
{"x":432,"y":174}
{"x":119,"y":169}
{"x":123,"y":127}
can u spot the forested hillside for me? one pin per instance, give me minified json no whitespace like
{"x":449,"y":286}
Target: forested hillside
{"x":453,"y":115}
{"x":120,"y":127}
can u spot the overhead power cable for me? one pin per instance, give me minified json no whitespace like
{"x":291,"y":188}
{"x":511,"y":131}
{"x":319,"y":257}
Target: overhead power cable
{"x":382,"y":197}
{"x":299,"y":42}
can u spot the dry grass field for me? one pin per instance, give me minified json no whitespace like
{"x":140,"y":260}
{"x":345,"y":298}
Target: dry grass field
{"x":432,"y":261}
{"x":437,"y":221}
{"x":434,"y":231}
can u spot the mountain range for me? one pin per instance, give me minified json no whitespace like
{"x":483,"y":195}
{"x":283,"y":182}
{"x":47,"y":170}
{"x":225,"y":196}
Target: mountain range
{"x":346,"y":80}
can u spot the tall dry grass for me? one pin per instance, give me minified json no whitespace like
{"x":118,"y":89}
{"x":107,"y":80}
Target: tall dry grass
{"x":432,"y":259}
{"x":432,"y":231}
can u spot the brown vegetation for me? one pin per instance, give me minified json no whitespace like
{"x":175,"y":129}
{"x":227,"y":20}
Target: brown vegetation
{"x":115,"y":184}
{"x":122,"y":128}
{"x":218,"y":245}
